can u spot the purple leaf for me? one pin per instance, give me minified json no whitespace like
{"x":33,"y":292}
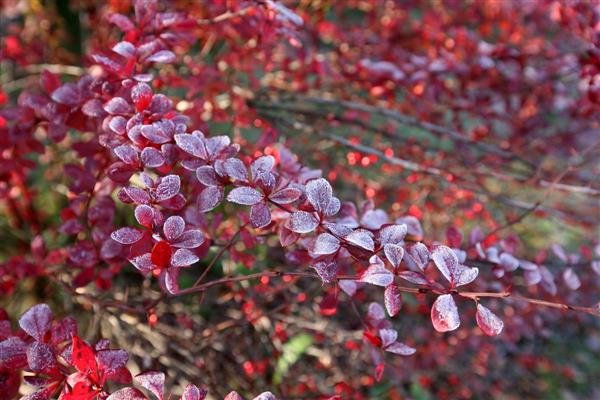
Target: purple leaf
{"x":183,"y":258}
{"x":245,"y":195}
{"x":489,"y":322}
{"x":261,"y":166}
{"x":319,"y":194}
{"x":154,"y":381}
{"x":192,"y":392}
{"x":508,"y":262}
{"x":36,"y":321}
{"x":413,"y":226}
{"x":13,"y":352}
{"x":127,"y":153}
{"x":532,"y":276}
{"x":126,"y":235}
{"x":400,"y":349}
{"x":361,"y":238}
{"x":162,"y":56}
{"x":209,"y":198}
{"x":236,"y":169}
{"x":447,"y":262}
{"x":121,"y":21}
{"x":67,"y":94}
{"x":191,"y":144}
{"x":393,"y":300}
{"x":414,"y":277}
{"x":207,"y":176}
{"x":348,"y":286}
{"x":444,"y":314}
{"x":376,"y":312}
{"x":126,"y":49}
{"x":285,"y":196}
{"x":559,"y":252}
{"x":374,"y":219}
{"x":111,"y":360}
{"x":265,"y":396}
{"x":571,"y":279}
{"x":233,"y":396}
{"x":117,"y":105}
{"x":419,"y":255}
{"x":326,"y":244}
{"x":173,"y":227}
{"x":394,"y":254}
{"x":40,"y":357}
{"x":152,"y":158}
{"x":393,"y":234}
{"x":302,"y":222}
{"x":260,"y":215}
{"x":127,"y":393}
{"x":189,"y":239}
{"x":168,"y":187}
{"x":377,"y":275}
{"x":327,"y":271}
{"x":388,"y":336}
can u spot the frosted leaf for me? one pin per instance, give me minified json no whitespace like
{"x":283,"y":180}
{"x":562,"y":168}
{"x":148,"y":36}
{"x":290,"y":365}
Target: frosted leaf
{"x":143,"y":263}
{"x":260,"y":215}
{"x":419,"y":255}
{"x":265,"y":396}
{"x":128,"y":393}
{"x":302,"y":222}
{"x":67,"y":94}
{"x":374,"y":219}
{"x":144,"y":215}
{"x":596,"y":266}
{"x":509,"y":262}
{"x":361,"y":238}
{"x":466,"y":275}
{"x":532,"y":276}
{"x":394,"y":254}
{"x":327,"y":271}
{"x":333,"y":207}
{"x":414,"y":277}
{"x":152,"y":158}
{"x":489,"y":322}
{"x":183,"y":258}
{"x":168,"y":187}
{"x":162,"y":56}
{"x":261,"y":166}
{"x":446,"y":262}
{"x":348,"y":286}
{"x":233,"y":396}
{"x":559,"y":252}
{"x":444,"y":314}
{"x":285,"y":196}
{"x":319,"y":193}
{"x":326,"y":244}
{"x":141,"y":94}
{"x":40,"y":357}
{"x":376,"y":312}
{"x":547,"y":282}
{"x":236,"y":169}
{"x":209,"y":198}
{"x":111,"y":360}
{"x":191,"y":144}
{"x":245,"y":195}
{"x":207,"y":176}
{"x":36,"y":321}
{"x":393,"y":300}
{"x":571,"y":279}
{"x":413,"y":226}
{"x":153,"y":381}
{"x":13,"y":351}
{"x":117,"y":105}
{"x":192,"y":392}
{"x":189,"y":239}
{"x":393,"y":234}
{"x":388,"y":336}
{"x":400,"y":349}
{"x":127,"y":153}
{"x":377,"y":275}
{"x":126,"y":235}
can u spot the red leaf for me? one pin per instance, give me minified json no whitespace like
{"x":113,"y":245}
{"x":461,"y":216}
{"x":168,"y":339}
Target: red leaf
{"x":489,"y":322}
{"x":444,"y":314}
{"x":393,"y":300}
{"x":84,"y":359}
{"x":377,"y":275}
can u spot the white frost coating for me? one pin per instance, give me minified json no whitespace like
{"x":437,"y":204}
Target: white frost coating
{"x":394,"y":254}
{"x":36,"y":321}
{"x":444,"y":314}
{"x":392,"y":234}
{"x":326,"y":244}
{"x":245,"y":195}
{"x":419,"y":254}
{"x":319,"y":193}
{"x":302,"y":222}
{"x":348,"y":286}
{"x":377,"y":275}
{"x":374,"y":219}
{"x":571,"y":279}
{"x":489,"y":322}
{"x":361,"y":238}
{"x":173,"y":227}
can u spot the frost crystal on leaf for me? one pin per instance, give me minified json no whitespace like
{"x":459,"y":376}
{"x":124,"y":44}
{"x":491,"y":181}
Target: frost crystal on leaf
{"x":444,"y":314}
{"x":489,"y":322}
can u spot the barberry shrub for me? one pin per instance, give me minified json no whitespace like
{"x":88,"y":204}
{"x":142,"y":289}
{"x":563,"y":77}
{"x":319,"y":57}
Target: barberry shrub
{"x":166,"y":233}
